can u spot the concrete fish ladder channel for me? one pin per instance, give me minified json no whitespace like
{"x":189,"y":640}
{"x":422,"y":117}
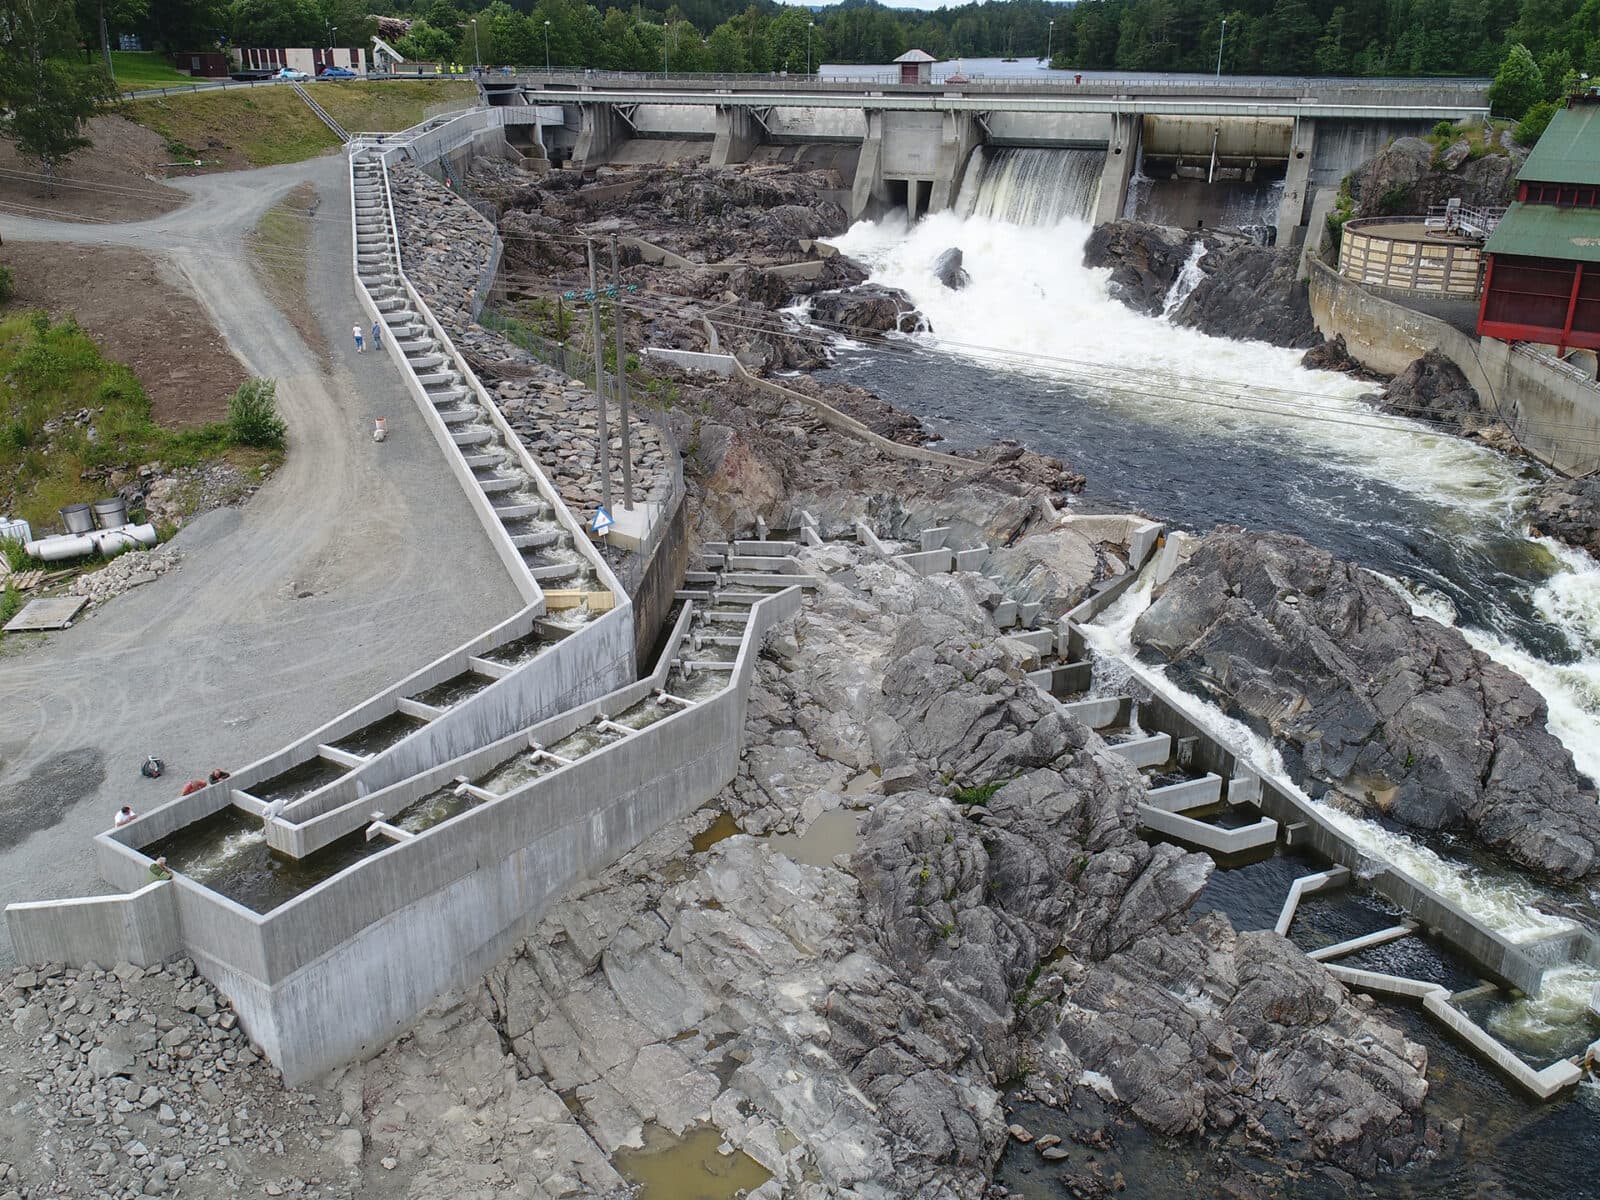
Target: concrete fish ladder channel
{"x":368,"y":893}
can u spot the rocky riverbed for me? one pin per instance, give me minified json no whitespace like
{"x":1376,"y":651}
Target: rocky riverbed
{"x":1393,"y":713}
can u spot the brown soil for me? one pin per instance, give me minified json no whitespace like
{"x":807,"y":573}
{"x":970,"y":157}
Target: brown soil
{"x":138,"y":316}
{"x":110,"y":181}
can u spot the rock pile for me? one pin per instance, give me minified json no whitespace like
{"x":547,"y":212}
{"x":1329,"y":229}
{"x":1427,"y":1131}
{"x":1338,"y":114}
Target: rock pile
{"x":446,"y":245}
{"x":1569,"y":510}
{"x":125,"y":572}
{"x":140,"y":1082}
{"x":1409,"y":176}
{"x":1396,"y":713}
{"x":1433,"y":389}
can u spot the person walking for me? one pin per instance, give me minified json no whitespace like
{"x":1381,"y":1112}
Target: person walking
{"x":377,"y":336}
{"x":361,"y":346}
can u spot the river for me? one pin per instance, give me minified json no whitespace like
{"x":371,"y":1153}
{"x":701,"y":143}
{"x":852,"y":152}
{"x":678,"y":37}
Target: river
{"x":1201,"y":431}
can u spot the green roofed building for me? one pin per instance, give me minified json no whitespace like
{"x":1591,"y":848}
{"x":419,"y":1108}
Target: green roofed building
{"x":1542,"y":283}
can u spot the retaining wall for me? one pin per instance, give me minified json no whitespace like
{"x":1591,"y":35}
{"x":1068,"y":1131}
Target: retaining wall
{"x":1554,"y":411}
{"x":140,"y":928}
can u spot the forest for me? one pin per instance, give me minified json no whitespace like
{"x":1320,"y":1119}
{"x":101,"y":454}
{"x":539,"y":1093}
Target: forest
{"x":1289,"y":37}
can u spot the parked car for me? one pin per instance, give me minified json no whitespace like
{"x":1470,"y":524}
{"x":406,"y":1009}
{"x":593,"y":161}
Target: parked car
{"x":336,"y":73}
{"x":291,"y":75}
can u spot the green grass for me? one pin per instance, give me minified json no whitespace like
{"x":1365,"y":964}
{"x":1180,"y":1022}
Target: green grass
{"x":48,"y":373}
{"x":267,"y":126}
{"x":145,"y":69}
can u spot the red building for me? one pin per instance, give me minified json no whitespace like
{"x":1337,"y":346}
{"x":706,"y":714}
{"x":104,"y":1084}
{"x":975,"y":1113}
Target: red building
{"x":1542,"y":283}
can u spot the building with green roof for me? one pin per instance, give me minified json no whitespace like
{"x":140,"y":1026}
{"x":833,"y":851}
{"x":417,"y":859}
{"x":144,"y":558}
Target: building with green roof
{"x":1542,"y":283}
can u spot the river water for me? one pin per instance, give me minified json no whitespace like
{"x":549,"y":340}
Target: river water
{"x":1200,"y":431}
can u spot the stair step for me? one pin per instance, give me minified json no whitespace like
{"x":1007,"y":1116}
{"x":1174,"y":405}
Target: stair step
{"x":458,"y":416}
{"x":498,"y":485}
{"x":555,"y":570}
{"x":516,"y":512}
{"x":533,"y":541}
{"x":477,"y":462}
{"x":472,"y":437}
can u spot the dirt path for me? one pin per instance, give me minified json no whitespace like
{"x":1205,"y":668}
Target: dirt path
{"x":355,"y":564}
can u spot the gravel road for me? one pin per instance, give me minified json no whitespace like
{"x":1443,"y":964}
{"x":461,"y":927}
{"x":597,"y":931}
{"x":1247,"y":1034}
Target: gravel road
{"x":354,"y":565}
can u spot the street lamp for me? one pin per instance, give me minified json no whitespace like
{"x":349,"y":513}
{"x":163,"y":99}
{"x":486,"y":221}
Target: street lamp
{"x":809,"y":28}
{"x":547,"y":47}
{"x":477,"y":59}
{"x":666,"y":44}
{"x":1050,"y":45}
{"x":1221,"y":37}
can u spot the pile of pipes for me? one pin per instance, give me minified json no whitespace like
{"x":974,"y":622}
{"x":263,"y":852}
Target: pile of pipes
{"x":101,"y":528}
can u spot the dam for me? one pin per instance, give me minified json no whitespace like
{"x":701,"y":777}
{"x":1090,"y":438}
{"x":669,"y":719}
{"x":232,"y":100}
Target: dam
{"x":1192,"y":147}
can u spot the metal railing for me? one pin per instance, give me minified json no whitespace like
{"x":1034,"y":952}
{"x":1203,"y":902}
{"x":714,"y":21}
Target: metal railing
{"x":339,"y":131}
{"x":1470,"y":219}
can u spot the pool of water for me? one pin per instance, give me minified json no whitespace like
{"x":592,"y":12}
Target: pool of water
{"x":297,"y":781}
{"x":453,"y":690}
{"x":1327,"y":918}
{"x":527,"y":647}
{"x":689,"y":1167}
{"x":433,"y":809}
{"x":1252,"y":895}
{"x":228,"y":853}
{"x":701,"y":685}
{"x":720,"y":830}
{"x":831,"y":834}
{"x":647,"y":713}
{"x":380,"y":735}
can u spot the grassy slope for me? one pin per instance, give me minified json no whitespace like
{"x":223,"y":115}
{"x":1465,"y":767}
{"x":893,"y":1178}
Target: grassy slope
{"x":50,"y":373}
{"x":144,"y":69}
{"x":266,"y":126}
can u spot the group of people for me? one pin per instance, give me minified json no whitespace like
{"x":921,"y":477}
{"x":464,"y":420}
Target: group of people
{"x":377,"y":338}
{"x":126,"y":815}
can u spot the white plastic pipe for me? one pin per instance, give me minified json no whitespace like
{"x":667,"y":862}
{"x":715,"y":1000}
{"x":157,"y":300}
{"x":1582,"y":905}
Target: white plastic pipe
{"x":62,"y":545}
{"x":123,"y":537}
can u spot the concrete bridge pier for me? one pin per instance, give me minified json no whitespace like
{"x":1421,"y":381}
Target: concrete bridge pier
{"x":602,"y":128}
{"x":961,"y":135}
{"x":738,"y":134}
{"x":1122,"y":152}
{"x":868,"y":184}
{"x":1296,"y":182}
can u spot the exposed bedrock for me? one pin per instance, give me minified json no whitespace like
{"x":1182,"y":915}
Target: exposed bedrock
{"x":1569,"y":510}
{"x":1247,"y":291}
{"x":1396,"y":713}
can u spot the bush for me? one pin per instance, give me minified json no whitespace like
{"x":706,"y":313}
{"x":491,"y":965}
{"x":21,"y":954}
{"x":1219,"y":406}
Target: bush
{"x":253,"y":418}
{"x":1532,"y":126}
{"x":1445,"y":130}
{"x":8,"y":287}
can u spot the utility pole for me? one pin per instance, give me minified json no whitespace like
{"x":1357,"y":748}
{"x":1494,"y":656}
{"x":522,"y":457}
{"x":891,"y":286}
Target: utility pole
{"x":477,"y":59}
{"x":809,"y":28}
{"x":1050,"y":45}
{"x":547,"y":47}
{"x":622,"y":379}
{"x":1221,"y":37}
{"x":599,"y":382}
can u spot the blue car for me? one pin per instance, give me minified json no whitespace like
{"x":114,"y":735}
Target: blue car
{"x":336,"y":73}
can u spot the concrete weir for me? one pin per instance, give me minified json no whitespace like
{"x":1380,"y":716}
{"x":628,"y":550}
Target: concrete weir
{"x":915,"y":142}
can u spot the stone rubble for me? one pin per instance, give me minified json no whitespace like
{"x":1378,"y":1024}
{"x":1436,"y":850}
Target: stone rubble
{"x":125,"y":572}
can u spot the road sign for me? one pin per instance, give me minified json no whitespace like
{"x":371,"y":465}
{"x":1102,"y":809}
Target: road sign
{"x":602,"y":521}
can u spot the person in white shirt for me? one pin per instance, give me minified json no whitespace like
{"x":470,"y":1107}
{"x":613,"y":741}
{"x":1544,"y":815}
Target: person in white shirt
{"x":124,"y":816}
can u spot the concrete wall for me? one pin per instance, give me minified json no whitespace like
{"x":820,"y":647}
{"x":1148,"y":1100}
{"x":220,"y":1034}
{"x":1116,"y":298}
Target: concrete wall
{"x":1232,"y":138}
{"x":348,"y":964}
{"x":1067,"y":130}
{"x":659,"y":578}
{"x":1553,"y":410}
{"x":140,"y":928}
{"x":675,"y":121}
{"x":911,"y":144}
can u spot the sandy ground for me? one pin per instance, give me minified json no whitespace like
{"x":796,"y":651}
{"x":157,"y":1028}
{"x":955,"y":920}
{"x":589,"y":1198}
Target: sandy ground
{"x":141,"y":313}
{"x":119,"y":179}
{"x":354,"y":565}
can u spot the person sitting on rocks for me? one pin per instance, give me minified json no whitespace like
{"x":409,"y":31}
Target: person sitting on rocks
{"x":158,"y":869}
{"x":124,"y":815}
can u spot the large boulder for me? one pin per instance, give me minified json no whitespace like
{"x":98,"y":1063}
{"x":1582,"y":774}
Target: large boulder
{"x":947,"y":267}
{"x":1254,"y":293}
{"x":1569,"y":510}
{"x":1407,"y":176}
{"x":869,"y":309}
{"x":1433,"y":388}
{"x":1396,"y":713}
{"x":1144,"y":260}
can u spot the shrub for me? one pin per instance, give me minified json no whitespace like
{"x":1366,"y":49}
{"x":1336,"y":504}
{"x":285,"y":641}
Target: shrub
{"x":8,"y":287}
{"x":1532,"y":126}
{"x":1444,"y":130}
{"x":253,"y":418}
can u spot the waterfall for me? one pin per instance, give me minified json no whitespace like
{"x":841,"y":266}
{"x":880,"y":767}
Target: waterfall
{"x":1031,"y":186}
{"x":1188,"y":279}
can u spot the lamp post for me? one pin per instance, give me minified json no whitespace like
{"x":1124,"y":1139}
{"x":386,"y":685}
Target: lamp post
{"x":477,"y":59}
{"x":666,"y":44}
{"x":547,"y":47}
{"x":1221,"y":37}
{"x":809,"y":28}
{"x":1050,"y":45}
